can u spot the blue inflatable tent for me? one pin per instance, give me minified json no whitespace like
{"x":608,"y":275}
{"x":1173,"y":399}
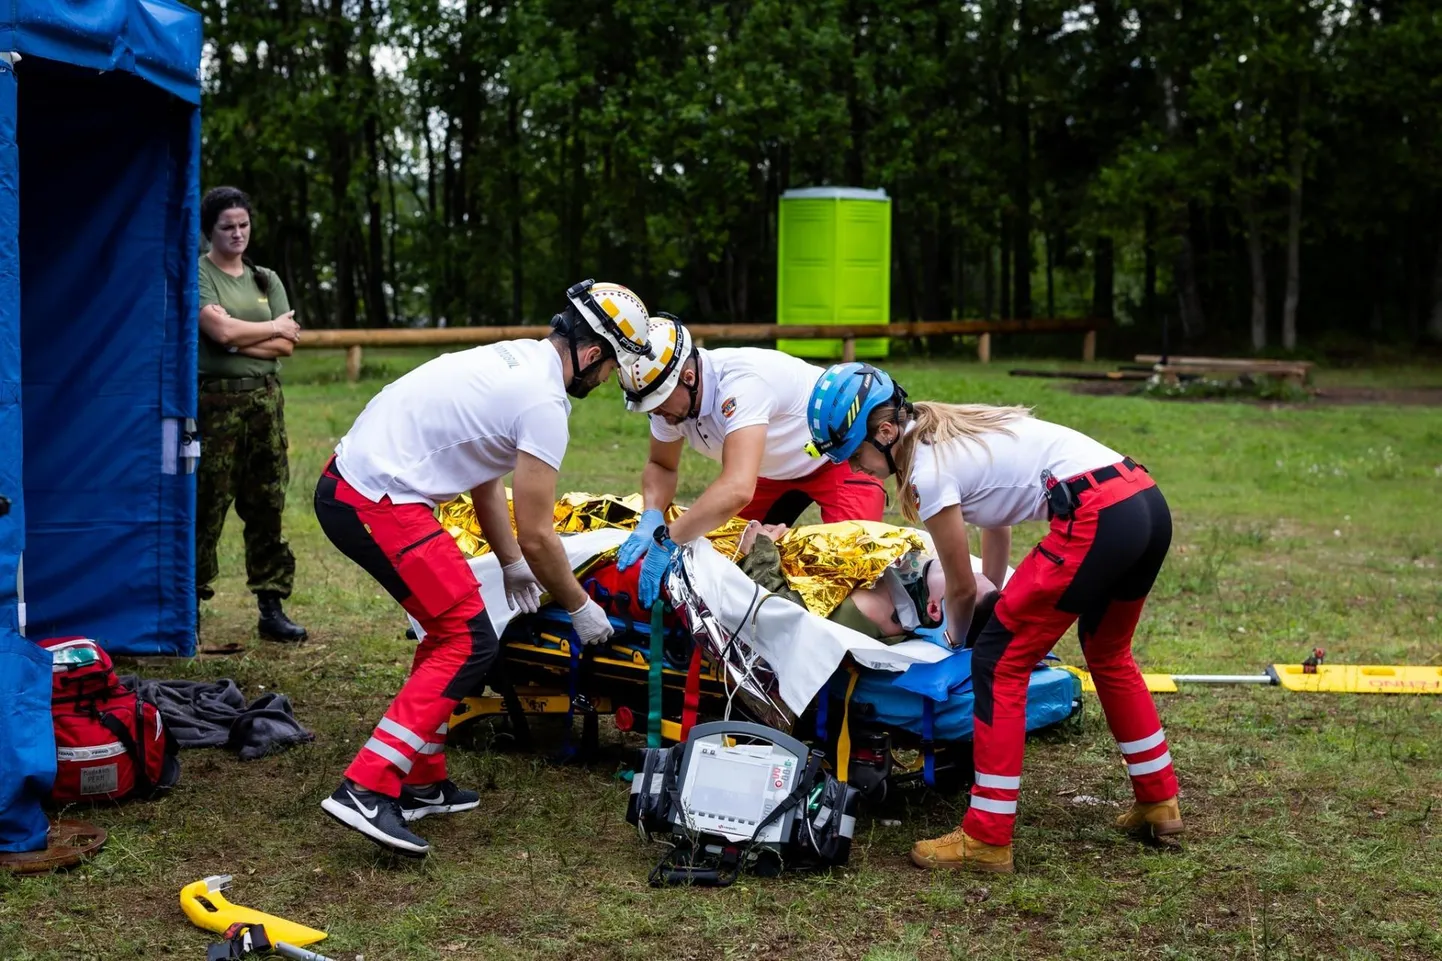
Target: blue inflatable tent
{"x":99,"y":174}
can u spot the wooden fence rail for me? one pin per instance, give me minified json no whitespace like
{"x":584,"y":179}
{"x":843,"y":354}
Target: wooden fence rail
{"x":353,"y":341}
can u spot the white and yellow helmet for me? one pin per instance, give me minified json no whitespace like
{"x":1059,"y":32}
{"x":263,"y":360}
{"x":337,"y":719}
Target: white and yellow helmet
{"x":648,"y":381}
{"x":615,"y":313}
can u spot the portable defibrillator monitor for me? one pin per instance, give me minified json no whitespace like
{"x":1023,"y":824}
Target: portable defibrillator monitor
{"x":738,"y":795}
{"x":735,"y":773}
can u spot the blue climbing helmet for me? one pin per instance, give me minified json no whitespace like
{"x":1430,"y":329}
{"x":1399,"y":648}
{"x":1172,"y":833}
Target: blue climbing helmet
{"x":841,"y":402}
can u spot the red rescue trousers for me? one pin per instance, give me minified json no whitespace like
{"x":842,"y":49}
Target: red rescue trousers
{"x":1094,"y":568}
{"x":407,"y":551}
{"x":841,"y":493}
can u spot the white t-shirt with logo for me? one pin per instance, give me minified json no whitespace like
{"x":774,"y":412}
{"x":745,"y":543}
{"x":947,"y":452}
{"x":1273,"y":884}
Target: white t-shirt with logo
{"x":457,"y":421}
{"x":998,"y":483}
{"x":746,"y":386}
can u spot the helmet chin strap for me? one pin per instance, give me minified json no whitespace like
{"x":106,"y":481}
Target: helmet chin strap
{"x":577,"y":387}
{"x":896,"y":418}
{"x":695,"y":406}
{"x":885,"y":452}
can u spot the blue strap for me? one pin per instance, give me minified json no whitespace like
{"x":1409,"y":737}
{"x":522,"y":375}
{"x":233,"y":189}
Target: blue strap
{"x":928,"y":755}
{"x":823,"y":698}
{"x":658,"y":656}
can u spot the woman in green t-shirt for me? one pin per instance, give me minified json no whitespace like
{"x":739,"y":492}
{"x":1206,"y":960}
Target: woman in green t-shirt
{"x":246,"y":326}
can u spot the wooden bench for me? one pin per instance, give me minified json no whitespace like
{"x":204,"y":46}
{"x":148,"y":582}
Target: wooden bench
{"x":1173,"y":369}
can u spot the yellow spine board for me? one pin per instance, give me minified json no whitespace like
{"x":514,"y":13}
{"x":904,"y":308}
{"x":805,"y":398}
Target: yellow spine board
{"x":532,"y":702}
{"x":1324,"y":679}
{"x":226,"y":914}
{"x":1156,"y":683}
{"x":1360,"y":679}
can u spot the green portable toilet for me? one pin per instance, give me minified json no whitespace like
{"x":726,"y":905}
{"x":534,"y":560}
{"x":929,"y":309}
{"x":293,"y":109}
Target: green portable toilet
{"x":833,"y":266}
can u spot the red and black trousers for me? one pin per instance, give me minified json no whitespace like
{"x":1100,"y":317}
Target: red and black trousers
{"x":1094,"y":568}
{"x":408,"y":553}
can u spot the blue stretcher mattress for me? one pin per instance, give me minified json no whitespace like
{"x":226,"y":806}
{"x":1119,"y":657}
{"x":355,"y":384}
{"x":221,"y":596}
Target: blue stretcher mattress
{"x":901,"y":700}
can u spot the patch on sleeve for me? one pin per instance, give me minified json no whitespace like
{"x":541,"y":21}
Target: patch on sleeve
{"x":728,"y":407}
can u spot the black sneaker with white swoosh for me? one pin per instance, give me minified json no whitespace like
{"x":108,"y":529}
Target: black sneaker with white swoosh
{"x":440,"y":798}
{"x":377,"y":816}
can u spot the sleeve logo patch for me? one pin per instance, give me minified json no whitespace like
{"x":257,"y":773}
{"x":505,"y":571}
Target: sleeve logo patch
{"x":728,"y":407}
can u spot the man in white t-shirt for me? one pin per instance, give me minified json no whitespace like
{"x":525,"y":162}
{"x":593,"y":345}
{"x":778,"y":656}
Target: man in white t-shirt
{"x":744,"y":407}
{"x":459,"y":423}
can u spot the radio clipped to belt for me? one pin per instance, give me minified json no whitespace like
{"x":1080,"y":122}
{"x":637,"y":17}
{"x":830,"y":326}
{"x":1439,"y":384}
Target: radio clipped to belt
{"x":1063,"y":497}
{"x":740,"y":796}
{"x":1060,"y":498}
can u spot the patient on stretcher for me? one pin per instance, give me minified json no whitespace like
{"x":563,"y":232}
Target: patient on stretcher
{"x":876,"y":579}
{"x":908,"y":594}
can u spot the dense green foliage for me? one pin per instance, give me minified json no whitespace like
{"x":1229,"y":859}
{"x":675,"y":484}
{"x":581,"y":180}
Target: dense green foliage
{"x":1257,"y":171}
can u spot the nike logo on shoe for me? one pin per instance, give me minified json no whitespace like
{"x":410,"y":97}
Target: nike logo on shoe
{"x":438,"y":799}
{"x":369,"y":812}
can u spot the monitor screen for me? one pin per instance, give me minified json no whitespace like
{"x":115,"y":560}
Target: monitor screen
{"x":729,"y":785}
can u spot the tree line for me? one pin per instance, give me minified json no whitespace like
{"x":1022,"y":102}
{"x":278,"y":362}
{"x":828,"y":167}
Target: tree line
{"x":1263,"y":173}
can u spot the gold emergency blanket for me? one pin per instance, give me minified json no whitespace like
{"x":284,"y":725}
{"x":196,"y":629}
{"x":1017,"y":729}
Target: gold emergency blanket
{"x":823,"y":563}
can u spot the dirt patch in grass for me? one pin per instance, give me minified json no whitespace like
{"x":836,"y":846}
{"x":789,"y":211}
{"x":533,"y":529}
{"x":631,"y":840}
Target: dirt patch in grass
{"x":1340,"y":396}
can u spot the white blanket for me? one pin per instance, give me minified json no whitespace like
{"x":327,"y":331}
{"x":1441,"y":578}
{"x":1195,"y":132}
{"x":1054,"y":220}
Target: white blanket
{"x":803,"y":649}
{"x":579,"y":549}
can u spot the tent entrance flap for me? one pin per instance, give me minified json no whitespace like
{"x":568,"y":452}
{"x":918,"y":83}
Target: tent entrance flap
{"x":105,"y":171}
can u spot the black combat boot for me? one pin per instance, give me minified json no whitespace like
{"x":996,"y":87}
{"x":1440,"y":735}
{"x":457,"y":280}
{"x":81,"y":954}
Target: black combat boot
{"x":274,"y":625}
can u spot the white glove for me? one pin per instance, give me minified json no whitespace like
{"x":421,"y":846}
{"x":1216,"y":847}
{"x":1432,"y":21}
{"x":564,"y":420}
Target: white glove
{"x":523,"y":591}
{"x":591,"y":623}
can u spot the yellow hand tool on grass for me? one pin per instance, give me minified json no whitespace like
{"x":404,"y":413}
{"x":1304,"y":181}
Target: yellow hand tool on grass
{"x":208,"y":909}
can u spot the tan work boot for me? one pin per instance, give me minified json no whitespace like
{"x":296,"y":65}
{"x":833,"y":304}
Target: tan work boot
{"x":960,"y":851}
{"x":1157,"y":821}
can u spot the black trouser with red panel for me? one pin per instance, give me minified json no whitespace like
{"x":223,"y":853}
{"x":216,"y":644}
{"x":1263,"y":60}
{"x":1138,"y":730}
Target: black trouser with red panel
{"x":410,"y":554}
{"x":1094,"y":568}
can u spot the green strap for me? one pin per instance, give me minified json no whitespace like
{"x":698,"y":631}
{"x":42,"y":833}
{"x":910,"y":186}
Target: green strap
{"x":658,"y":654}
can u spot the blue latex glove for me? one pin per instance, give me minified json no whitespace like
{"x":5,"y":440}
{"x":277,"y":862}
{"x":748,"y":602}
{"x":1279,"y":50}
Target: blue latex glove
{"x":653,"y":570}
{"x":641,"y":540}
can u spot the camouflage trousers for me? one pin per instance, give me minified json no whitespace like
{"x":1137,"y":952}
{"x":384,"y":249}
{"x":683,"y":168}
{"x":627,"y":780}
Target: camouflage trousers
{"x":243,"y":459}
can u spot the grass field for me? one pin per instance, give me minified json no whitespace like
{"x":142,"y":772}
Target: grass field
{"x":1315,"y":821}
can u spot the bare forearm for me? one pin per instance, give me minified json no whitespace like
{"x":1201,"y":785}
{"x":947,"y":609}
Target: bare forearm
{"x":489,"y":501}
{"x":658,"y":486}
{"x":995,"y":553}
{"x":960,"y":608}
{"x":227,"y":331}
{"x":547,"y":560}
{"x":269,"y":349}
{"x":249,"y":335}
